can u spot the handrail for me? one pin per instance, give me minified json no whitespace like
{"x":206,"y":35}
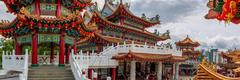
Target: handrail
{"x":124,"y":48}
{"x":24,"y":75}
{"x":76,"y":69}
{"x":16,"y":62}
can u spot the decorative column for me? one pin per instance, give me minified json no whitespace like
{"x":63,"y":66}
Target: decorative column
{"x":17,"y":48}
{"x":173,"y":71}
{"x":75,"y":47}
{"x":58,"y":8}
{"x":90,"y":73}
{"x":34,"y":49}
{"x":159,"y":71}
{"x":52,"y":53}
{"x":37,"y":7}
{"x":113,"y":73}
{"x":62,"y":49}
{"x":125,"y":68}
{"x":68,"y":54}
{"x":177,"y":71}
{"x":133,"y":70}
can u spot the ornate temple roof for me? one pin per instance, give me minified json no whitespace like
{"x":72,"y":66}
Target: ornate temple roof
{"x":208,"y":71}
{"x":100,"y":20}
{"x":14,"y":6}
{"x":147,"y":57}
{"x":122,"y":11}
{"x":187,"y":42}
{"x":190,"y":53}
{"x":24,"y":19}
{"x":233,"y":55}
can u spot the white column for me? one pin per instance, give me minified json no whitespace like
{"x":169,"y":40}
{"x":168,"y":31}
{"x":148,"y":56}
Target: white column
{"x":133,"y":70}
{"x":159,"y":71}
{"x":177,"y":71}
{"x":174,"y":71}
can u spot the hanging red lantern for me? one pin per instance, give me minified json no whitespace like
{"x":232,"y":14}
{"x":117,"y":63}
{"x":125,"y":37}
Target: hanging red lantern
{"x":73,"y":24}
{"x":18,"y":25}
{"x":39,"y":25}
{"x":66,"y":25}
{"x":45,"y":26}
{"x":31,"y":24}
{"x":59,"y":26}
{"x":52,"y":26}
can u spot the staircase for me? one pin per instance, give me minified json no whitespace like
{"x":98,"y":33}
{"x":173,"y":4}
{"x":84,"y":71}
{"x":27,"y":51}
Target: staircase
{"x":50,"y":73}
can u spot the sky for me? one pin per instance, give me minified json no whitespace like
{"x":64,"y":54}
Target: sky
{"x":182,"y":18}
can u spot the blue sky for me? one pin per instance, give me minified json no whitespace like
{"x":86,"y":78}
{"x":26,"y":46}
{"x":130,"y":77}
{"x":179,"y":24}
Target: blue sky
{"x":182,"y":18}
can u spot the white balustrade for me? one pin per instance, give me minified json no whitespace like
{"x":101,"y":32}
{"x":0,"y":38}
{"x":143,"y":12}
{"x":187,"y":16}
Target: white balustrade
{"x":138,"y":48}
{"x":77,"y":68}
{"x":103,"y":59}
{"x":16,"y":63}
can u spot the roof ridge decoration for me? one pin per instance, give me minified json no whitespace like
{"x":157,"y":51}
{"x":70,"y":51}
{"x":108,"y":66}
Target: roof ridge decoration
{"x":14,"y":6}
{"x":187,"y":42}
{"x":97,"y":17}
{"x":208,"y":70}
{"x":122,"y":11}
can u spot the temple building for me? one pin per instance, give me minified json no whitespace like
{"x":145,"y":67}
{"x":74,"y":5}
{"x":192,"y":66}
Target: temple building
{"x":96,"y":44}
{"x":228,"y":70}
{"x":187,"y":46}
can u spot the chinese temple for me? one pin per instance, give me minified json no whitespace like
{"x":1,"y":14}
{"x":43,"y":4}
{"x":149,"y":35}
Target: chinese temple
{"x":187,"y":46}
{"x":96,"y":44}
{"x":228,"y":70}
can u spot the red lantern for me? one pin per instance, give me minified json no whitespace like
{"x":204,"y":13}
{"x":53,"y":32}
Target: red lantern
{"x":59,"y":26}
{"x":45,"y":25}
{"x":39,"y":25}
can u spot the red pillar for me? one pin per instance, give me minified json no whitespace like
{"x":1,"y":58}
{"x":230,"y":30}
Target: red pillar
{"x":17,"y":48}
{"x":113,"y":73}
{"x":34,"y":49}
{"x":62,"y":50}
{"x":52,"y":53}
{"x":58,"y":8}
{"x":90,"y":73}
{"x":68,"y":54}
{"x":37,"y":6}
{"x":74,"y":48}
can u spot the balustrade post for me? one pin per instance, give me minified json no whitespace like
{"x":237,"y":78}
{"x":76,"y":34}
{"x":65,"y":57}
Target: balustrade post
{"x":92,"y":52}
{"x":26,"y":52}
{"x":132,"y":46}
{"x":13,"y":52}
{"x":81,"y":52}
{"x":88,"y":53}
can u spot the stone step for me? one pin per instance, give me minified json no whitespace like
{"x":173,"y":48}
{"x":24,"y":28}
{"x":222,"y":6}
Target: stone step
{"x":65,"y":78}
{"x":49,"y":76}
{"x":49,"y":70}
{"x":50,"y":73}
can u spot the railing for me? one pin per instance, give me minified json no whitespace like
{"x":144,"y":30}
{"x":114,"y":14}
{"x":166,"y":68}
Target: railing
{"x":103,"y":59}
{"x":10,"y":61}
{"x":77,"y":69}
{"x":125,"y":48}
{"x":96,"y":61}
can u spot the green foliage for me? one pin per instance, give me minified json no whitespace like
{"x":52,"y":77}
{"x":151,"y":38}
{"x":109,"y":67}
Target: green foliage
{"x":8,"y":45}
